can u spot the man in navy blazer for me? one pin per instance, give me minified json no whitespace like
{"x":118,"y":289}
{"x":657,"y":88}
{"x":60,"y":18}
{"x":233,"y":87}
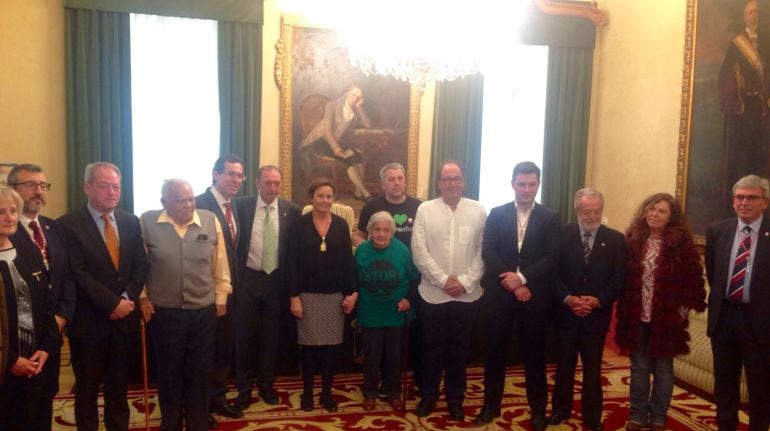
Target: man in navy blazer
{"x":738,"y":271}
{"x":520,"y":251}
{"x":46,"y":236}
{"x":227,"y":178}
{"x":108,"y":281}
{"x":260,"y":293}
{"x":590,"y":277}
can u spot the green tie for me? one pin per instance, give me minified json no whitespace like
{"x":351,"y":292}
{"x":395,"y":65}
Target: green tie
{"x":269,"y":255}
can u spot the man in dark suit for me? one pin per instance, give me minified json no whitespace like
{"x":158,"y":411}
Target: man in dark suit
{"x":738,"y":271}
{"x":46,"y":236}
{"x":591,"y":273}
{"x":264,"y":225}
{"x":520,"y":251}
{"x":109,"y":265}
{"x":227,"y":178}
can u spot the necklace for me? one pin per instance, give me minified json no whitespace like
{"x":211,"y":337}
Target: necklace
{"x":322,"y":228}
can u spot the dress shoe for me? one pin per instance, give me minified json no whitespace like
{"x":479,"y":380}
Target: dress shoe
{"x":538,"y":422}
{"x":635,"y":426}
{"x":328,"y":403}
{"x":306,"y":403}
{"x":657,"y":427}
{"x":397,"y":404}
{"x":213,"y":422}
{"x":369,"y":404}
{"x":556,"y":419}
{"x":243,"y":401}
{"x":594,"y":426}
{"x":456,"y":412}
{"x":425,"y":407}
{"x":487,"y":415}
{"x":221,"y":408}
{"x":268,"y":395}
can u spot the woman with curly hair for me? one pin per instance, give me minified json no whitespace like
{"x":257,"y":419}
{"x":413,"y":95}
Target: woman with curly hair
{"x":664,"y":282}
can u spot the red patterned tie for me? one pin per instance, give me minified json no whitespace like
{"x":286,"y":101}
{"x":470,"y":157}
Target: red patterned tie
{"x":39,"y":239}
{"x":738,"y":280}
{"x":230,"y":223}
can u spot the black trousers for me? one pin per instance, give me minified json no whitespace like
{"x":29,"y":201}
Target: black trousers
{"x":257,"y":328}
{"x":20,"y":401}
{"x":224,"y":351}
{"x":184,"y":346}
{"x":383,"y":358}
{"x":501,"y":314}
{"x":50,"y":374}
{"x":317,"y":359}
{"x":96,"y":361}
{"x":579,"y":336}
{"x":446,"y":338}
{"x":735,"y":346}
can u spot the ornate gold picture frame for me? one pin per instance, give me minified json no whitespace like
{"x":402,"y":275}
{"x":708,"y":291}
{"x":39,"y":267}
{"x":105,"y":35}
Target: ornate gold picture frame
{"x":315,"y":77}
{"x":723,"y":122}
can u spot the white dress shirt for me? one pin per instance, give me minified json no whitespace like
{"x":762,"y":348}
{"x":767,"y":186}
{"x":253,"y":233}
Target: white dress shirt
{"x":445,"y":243}
{"x":221,"y":201}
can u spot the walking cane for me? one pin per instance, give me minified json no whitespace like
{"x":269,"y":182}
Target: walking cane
{"x":405,"y":362}
{"x":144,"y":377}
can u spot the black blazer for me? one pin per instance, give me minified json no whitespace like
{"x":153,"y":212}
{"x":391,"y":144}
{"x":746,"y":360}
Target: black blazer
{"x":31,"y":268}
{"x":207,"y":201}
{"x":537,"y":259}
{"x":62,"y":287}
{"x":246,"y":206}
{"x":603,"y":276}
{"x":719,"y":244}
{"x":97,"y":283}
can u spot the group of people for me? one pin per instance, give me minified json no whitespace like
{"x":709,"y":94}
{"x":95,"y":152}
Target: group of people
{"x":211,"y":275}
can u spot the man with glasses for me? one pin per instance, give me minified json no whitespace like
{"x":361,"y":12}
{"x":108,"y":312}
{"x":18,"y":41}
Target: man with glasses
{"x":227,"y":178}
{"x":738,"y":271}
{"x":446,"y":245}
{"x":109,"y":265}
{"x":521,"y":250}
{"x":47,"y":236}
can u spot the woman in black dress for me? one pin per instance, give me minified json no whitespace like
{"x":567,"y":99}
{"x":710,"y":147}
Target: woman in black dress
{"x":321,"y":275}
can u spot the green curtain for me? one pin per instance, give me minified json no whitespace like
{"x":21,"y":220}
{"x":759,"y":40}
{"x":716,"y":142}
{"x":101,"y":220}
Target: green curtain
{"x":457,"y":130}
{"x":220,"y":10}
{"x":568,"y":101}
{"x":98,"y":87}
{"x":240,"y":93}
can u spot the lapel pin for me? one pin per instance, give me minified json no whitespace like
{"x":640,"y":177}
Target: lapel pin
{"x":767,"y":233}
{"x":602,"y":244}
{"x":37,"y":274}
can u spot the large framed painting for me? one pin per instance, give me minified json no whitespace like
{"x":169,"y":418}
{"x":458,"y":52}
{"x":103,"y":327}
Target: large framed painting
{"x":337,"y":122}
{"x":724,"y":122}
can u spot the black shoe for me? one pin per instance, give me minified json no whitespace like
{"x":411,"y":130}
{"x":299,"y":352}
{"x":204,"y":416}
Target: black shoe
{"x":328,"y":403}
{"x":594,"y":426}
{"x":306,"y":403}
{"x":212,"y":422}
{"x":221,"y":408}
{"x":243,"y":401}
{"x":268,"y":395}
{"x":556,"y":419}
{"x":456,"y":412}
{"x":487,"y":415}
{"x":425,"y":407}
{"x":538,"y":422}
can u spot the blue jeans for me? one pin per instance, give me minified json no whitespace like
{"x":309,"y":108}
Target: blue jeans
{"x":650,"y":406}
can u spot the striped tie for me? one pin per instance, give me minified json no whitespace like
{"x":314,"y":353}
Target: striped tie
{"x":586,"y":246}
{"x":738,"y":280}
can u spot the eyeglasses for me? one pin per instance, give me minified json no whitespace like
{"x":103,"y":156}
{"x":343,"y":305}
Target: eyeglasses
{"x":105,"y":187}
{"x":31,"y":185}
{"x":747,"y":198}
{"x":233,"y":174}
{"x":456,"y":180}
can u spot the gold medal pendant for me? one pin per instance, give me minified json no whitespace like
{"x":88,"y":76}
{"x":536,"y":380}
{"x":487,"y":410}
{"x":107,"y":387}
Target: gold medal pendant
{"x":323,"y":243}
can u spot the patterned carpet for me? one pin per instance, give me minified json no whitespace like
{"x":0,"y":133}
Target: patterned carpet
{"x":688,"y":411}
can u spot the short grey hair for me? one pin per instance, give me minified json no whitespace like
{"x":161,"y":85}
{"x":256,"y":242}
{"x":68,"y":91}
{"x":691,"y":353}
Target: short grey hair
{"x":92,"y":167}
{"x":390,"y":166}
{"x":380,"y":216}
{"x":588,"y":192}
{"x":753,"y":182}
{"x":12,"y":195}
{"x":165,"y":189}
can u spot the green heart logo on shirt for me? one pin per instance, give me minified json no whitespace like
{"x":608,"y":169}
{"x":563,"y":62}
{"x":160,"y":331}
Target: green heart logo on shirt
{"x":400,"y":219}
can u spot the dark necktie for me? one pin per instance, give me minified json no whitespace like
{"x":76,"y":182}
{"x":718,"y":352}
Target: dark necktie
{"x":230,"y":223}
{"x":39,"y":239}
{"x":269,"y":255}
{"x":111,"y":240}
{"x":738,"y":279}
{"x":586,"y":246}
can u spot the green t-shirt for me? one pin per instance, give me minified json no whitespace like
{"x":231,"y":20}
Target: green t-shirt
{"x":384,"y":276}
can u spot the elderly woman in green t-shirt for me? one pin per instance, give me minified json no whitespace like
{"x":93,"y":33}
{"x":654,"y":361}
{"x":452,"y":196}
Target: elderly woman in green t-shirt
{"x":387,"y":279}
